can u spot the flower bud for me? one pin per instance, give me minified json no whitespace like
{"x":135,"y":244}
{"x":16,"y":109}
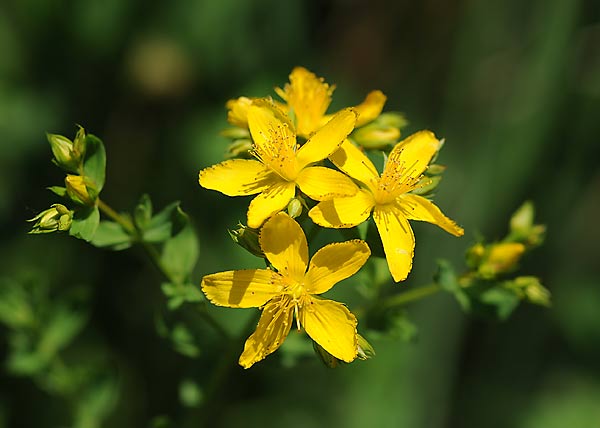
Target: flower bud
{"x":56,"y":218}
{"x":365,"y":349}
{"x":500,"y":258}
{"x":247,"y":238}
{"x":239,"y":149}
{"x":62,"y":149}
{"x":238,"y":111}
{"x":427,"y":185}
{"x":475,"y":255}
{"x":68,"y":154}
{"x":79,"y":144}
{"x":522,"y":228}
{"x":376,"y":136}
{"x":294,"y":208}
{"x":236,"y":133}
{"x":522,"y":220}
{"x":80,"y":190}
{"x":532,"y":290}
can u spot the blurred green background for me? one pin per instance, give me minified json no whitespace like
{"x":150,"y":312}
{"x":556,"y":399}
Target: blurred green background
{"x":513,"y":86}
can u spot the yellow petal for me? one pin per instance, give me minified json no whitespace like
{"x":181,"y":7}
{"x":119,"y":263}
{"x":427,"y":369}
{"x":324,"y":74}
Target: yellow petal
{"x":327,"y":139}
{"x":397,"y":238}
{"x":334,"y":263}
{"x":273,"y":327}
{"x":343,"y":212}
{"x":241,"y":288}
{"x":370,"y":108}
{"x":320,"y":183}
{"x":271,"y":200}
{"x":308,"y":97}
{"x":355,"y":163}
{"x":417,"y":207}
{"x":332,"y":326}
{"x":237,"y":177}
{"x":411,"y":156}
{"x":269,"y":126}
{"x":284,"y":244}
{"x":238,"y":111}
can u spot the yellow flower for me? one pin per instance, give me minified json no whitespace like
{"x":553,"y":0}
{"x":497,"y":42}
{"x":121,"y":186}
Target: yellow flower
{"x":280,"y":165}
{"x":307,"y":98}
{"x":388,"y":198}
{"x":290,"y":290}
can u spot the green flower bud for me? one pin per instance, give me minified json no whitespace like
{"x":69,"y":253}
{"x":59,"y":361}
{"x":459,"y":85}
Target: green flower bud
{"x":239,"y":149}
{"x":365,"y":349}
{"x":294,"y":208}
{"x":68,"y":154}
{"x":522,"y":220}
{"x":435,"y":169}
{"x":395,"y":120}
{"x":79,"y":144}
{"x":247,"y":238}
{"x":236,"y":133}
{"x":62,"y":149}
{"x":427,"y":185}
{"x":530,"y":288}
{"x":522,"y":228}
{"x":56,"y":218}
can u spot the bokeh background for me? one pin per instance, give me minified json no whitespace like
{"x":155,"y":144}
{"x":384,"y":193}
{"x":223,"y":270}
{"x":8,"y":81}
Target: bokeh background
{"x":513,"y":86}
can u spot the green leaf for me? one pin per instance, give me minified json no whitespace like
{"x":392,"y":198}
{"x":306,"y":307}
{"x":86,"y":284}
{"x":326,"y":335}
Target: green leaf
{"x":110,"y":234}
{"x":447,"y":279}
{"x":58,"y":190}
{"x":85,"y":223}
{"x":94,"y":165}
{"x":178,"y":294}
{"x":160,"y":227}
{"x":180,"y":252}
{"x":183,"y":341}
{"x":502,"y":301}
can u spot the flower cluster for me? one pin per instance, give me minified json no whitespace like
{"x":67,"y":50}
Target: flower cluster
{"x":84,"y":161}
{"x":284,"y":152}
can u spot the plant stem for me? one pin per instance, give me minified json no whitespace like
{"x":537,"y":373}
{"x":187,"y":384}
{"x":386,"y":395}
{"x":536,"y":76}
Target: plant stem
{"x":154,"y":257}
{"x":113,"y":215}
{"x":411,"y":295}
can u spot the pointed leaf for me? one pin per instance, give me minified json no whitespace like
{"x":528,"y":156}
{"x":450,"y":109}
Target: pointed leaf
{"x":94,"y":165}
{"x":85,"y":223}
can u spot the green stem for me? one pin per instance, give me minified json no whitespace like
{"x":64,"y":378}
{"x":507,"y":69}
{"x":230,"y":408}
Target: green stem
{"x":154,"y":257}
{"x":411,"y":296}
{"x":113,"y":215}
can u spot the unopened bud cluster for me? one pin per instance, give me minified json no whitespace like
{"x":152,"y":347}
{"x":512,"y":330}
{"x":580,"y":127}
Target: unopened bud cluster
{"x":79,"y":190}
{"x":494,"y":261}
{"x":57,"y":218}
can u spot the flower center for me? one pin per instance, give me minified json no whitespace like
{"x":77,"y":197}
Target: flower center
{"x":397,"y":179}
{"x":297,"y":293}
{"x":278,"y":151}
